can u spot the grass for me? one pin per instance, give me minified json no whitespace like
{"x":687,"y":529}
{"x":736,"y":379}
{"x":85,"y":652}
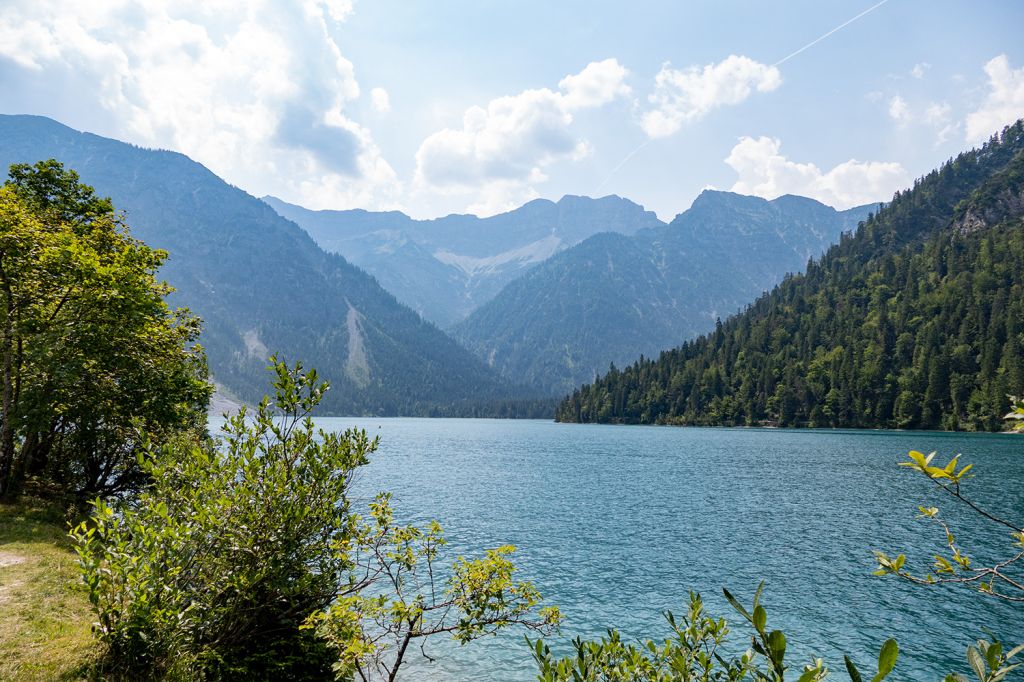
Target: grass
{"x":45,"y":616}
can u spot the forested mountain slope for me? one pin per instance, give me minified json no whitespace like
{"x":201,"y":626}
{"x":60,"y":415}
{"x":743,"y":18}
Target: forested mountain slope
{"x":913,"y":322}
{"x":261,"y":284}
{"x":445,"y":268}
{"x":614,"y":297}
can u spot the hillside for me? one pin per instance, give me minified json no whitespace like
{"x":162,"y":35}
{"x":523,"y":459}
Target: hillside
{"x":614,"y":297}
{"x":913,"y":322}
{"x":447,"y":267}
{"x":262,"y":285}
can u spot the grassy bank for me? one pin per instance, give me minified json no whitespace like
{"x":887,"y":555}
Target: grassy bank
{"x":44,"y":609}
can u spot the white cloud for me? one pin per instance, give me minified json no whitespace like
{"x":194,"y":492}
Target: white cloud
{"x":380,"y":100}
{"x":255,"y":91}
{"x":898,"y":109}
{"x":939,"y":116}
{"x":683,"y":96}
{"x":1004,"y":103}
{"x":597,"y":84}
{"x":920,"y":69}
{"x":338,"y":10}
{"x":500,"y":151}
{"x":763,"y":171}
{"x":937,"y":113}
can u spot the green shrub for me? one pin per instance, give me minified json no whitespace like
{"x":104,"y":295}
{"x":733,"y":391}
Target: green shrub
{"x":243,"y":560}
{"x":695,"y":652}
{"x":212,"y":570}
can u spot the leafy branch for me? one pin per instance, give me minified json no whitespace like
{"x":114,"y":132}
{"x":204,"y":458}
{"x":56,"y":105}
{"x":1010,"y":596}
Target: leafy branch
{"x":956,"y":566}
{"x":396,"y":597}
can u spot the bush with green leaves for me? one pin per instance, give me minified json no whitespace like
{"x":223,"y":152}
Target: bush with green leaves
{"x":402,"y":597}
{"x":244,"y":560}
{"x":231,"y":548}
{"x":695,"y":652}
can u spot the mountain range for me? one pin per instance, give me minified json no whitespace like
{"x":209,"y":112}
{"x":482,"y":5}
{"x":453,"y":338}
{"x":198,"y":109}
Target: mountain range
{"x":541,"y":298}
{"x":614,"y":297}
{"x":914,"y":321}
{"x":447,"y":267}
{"x":262,"y":285}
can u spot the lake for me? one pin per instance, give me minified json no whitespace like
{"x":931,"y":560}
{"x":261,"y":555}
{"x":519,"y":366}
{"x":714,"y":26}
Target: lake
{"x":616,"y":524}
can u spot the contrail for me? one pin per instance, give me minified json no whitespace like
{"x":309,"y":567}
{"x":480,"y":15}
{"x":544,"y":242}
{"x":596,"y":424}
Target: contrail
{"x":622,"y":163}
{"x":837,"y":28}
{"x":785,"y":59}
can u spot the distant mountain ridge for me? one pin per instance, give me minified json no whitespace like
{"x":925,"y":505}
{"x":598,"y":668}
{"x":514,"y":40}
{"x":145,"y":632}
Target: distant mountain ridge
{"x":444,"y":268}
{"x":615,"y":297}
{"x":261,"y":284}
{"x":916,"y":321}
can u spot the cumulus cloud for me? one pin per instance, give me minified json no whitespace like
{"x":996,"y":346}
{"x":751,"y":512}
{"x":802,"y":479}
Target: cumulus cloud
{"x":500,"y":151}
{"x":683,"y":96}
{"x":597,"y":84}
{"x":1004,"y":103}
{"x":256,"y":91}
{"x":899,"y":110}
{"x":380,"y":100}
{"x":920,"y":69}
{"x":763,"y":171}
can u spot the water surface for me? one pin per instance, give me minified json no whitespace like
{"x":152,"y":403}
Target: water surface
{"x":617,"y":524}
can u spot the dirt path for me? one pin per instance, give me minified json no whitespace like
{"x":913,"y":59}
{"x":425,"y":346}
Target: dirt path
{"x":10,"y":559}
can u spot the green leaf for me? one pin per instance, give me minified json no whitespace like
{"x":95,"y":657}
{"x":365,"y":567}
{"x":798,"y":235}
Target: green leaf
{"x":851,"y":669}
{"x":992,"y":654}
{"x":887,"y":659}
{"x":736,"y":605}
{"x":977,"y":663}
{"x":760,"y":618}
{"x":777,"y":645}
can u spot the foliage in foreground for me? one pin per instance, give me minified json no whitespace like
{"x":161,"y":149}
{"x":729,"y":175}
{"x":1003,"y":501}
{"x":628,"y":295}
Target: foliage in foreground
{"x":400,"y":599}
{"x":696,"y":651}
{"x":94,"y":362}
{"x":1001,"y":579}
{"x":953,"y":565}
{"x":244,"y":560}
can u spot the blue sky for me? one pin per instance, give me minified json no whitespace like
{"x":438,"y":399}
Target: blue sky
{"x":479,"y":106}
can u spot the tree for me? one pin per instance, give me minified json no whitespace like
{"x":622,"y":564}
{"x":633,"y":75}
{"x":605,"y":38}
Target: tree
{"x":94,"y":361}
{"x":243,"y":559}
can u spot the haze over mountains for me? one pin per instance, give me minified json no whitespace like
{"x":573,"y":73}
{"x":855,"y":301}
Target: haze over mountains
{"x":613,"y":297}
{"x":543,"y":297}
{"x":447,"y":267}
{"x":261,"y":284}
{"x":515,"y":290}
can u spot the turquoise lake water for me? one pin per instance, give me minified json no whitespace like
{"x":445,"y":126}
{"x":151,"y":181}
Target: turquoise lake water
{"x":616,"y":524}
